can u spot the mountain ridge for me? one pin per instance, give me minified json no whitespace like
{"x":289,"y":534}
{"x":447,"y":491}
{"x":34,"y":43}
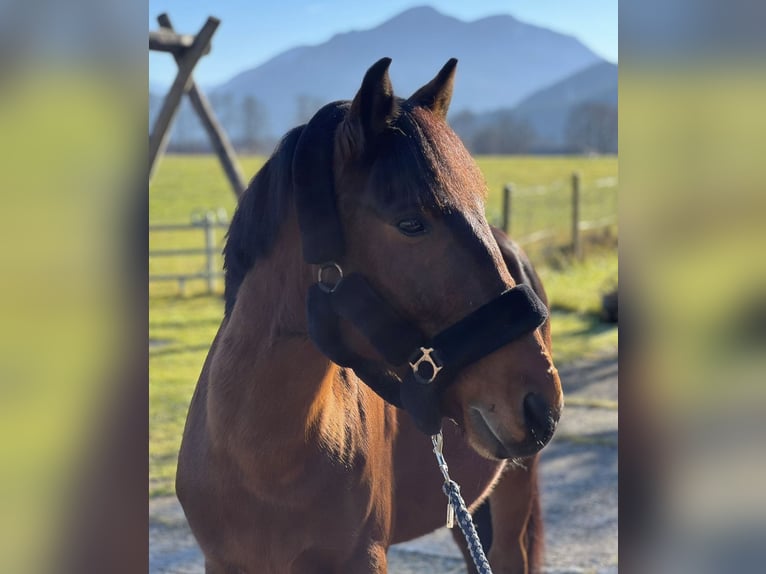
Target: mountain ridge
{"x":502,"y":61}
{"x":493,"y":69}
{"x":548,"y":110}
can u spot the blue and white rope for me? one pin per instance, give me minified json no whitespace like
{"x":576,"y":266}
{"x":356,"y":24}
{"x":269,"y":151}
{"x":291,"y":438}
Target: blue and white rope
{"x":456,"y":504}
{"x":464,"y":520}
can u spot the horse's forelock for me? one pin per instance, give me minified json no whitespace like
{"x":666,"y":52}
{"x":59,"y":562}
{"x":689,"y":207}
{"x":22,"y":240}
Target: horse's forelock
{"x":421,"y":161}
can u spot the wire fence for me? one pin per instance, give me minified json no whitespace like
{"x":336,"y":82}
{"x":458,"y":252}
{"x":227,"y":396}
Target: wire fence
{"x":560,"y":213}
{"x":185,"y":258}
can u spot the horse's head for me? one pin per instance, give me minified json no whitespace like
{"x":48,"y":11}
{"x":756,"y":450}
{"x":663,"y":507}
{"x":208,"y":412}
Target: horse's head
{"x":411,"y":201}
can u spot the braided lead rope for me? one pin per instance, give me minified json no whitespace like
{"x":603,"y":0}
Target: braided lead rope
{"x":456,"y":508}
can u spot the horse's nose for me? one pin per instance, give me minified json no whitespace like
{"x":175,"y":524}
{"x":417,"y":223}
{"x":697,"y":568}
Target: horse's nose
{"x":539,"y":418}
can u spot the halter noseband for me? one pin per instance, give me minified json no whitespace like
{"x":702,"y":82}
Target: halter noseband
{"x":432,"y":363}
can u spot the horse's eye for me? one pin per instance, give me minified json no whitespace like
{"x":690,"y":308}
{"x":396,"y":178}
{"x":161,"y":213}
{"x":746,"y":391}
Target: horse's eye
{"x":411,"y":227}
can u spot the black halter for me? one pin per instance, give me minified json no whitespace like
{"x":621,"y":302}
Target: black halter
{"x":433,"y":363}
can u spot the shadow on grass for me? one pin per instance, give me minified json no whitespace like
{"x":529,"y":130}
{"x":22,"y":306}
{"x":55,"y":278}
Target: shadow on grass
{"x":580,"y":375}
{"x":578,"y":336}
{"x":166,"y":351}
{"x":595,"y":326}
{"x":157,"y":343}
{"x":186,"y":324}
{"x":164,"y":459}
{"x":595,"y":322}
{"x":601,"y":438}
{"x":192,"y":296}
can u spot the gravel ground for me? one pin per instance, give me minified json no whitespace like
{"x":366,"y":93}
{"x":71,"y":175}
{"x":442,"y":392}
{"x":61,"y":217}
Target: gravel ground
{"x":579,"y":482}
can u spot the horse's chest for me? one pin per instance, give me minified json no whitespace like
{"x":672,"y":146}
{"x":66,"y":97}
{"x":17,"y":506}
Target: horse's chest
{"x":419,"y":503}
{"x":327,"y":513}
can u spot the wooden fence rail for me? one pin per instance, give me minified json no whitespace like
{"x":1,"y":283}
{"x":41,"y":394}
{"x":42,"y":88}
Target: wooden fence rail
{"x":207,"y":224}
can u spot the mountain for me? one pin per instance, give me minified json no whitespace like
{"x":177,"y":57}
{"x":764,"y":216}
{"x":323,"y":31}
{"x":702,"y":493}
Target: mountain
{"x":539,"y":122}
{"x":547,"y":111}
{"x":501,"y":61}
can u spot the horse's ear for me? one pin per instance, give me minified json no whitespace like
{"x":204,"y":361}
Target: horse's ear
{"x":437,"y":94}
{"x":374,"y":106}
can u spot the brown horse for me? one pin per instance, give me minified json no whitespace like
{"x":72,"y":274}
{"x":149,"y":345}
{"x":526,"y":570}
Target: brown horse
{"x":290,"y":462}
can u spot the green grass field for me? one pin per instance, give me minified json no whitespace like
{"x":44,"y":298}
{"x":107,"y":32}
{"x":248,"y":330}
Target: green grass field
{"x":181,"y":328}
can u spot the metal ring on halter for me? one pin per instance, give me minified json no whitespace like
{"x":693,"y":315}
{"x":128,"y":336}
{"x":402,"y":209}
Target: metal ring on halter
{"x":427,"y":359}
{"x":322,"y":281}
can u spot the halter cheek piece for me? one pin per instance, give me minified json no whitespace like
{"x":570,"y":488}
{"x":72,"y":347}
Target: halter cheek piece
{"x":432,"y":363}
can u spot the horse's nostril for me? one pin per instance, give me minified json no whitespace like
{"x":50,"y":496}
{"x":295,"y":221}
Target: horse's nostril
{"x":539,"y":417}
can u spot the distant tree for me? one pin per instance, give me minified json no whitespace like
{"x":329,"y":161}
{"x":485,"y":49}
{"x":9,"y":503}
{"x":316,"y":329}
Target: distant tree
{"x":253,"y":123}
{"x":505,"y":135}
{"x":182,"y":125}
{"x":465,"y":123}
{"x":222,"y":104}
{"x":187,"y":134}
{"x":227,"y":109}
{"x":592,"y":127}
{"x":305,"y":107}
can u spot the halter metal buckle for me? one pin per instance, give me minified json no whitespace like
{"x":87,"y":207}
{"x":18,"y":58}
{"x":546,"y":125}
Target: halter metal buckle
{"x":427,"y":358}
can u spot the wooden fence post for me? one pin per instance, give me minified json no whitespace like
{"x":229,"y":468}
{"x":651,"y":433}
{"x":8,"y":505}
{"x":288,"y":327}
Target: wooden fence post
{"x":158,"y":140}
{"x":507,"y":192}
{"x":576,"y":246}
{"x":218,"y":138}
{"x":209,"y":224}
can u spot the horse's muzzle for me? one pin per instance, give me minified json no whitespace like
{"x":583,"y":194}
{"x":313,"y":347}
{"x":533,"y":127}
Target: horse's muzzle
{"x":540,"y":422}
{"x":539,"y":418}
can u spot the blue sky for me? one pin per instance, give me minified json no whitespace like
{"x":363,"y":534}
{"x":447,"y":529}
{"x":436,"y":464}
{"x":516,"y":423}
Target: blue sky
{"x":251,"y":32}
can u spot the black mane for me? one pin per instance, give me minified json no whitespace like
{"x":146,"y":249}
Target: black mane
{"x":256,"y":221}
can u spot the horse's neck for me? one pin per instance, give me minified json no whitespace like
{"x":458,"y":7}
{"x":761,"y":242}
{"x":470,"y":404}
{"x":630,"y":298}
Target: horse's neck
{"x":271,"y":300}
{"x":267,"y":380}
